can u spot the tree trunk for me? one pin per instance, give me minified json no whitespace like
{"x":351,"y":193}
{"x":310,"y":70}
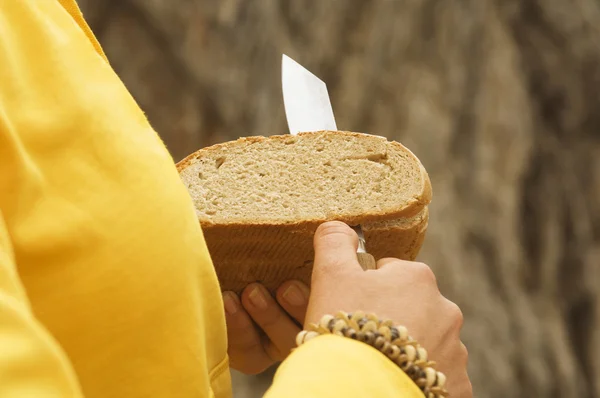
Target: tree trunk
{"x":498,"y":98}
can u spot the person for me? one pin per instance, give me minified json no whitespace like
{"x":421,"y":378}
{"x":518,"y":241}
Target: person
{"x":106,"y":285}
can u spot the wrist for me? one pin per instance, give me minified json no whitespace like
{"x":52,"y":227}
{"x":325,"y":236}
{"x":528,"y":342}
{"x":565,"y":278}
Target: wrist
{"x":392,"y":341}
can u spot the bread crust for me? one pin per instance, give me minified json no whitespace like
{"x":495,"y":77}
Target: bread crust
{"x":272,"y":254}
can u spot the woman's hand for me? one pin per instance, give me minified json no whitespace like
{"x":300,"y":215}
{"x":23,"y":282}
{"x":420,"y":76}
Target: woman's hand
{"x":402,"y":291}
{"x":261,"y":330}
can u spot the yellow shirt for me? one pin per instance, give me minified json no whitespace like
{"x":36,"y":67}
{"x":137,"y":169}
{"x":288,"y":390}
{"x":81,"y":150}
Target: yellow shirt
{"x":106,"y":286}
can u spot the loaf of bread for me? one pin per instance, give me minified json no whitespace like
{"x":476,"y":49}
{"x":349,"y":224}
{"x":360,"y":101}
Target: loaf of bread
{"x":259,"y":200}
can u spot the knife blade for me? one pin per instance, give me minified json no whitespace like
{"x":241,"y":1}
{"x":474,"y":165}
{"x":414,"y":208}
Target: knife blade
{"x":308,"y":108}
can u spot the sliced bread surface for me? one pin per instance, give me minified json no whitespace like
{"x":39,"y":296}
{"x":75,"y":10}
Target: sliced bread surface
{"x":260,"y":199}
{"x":312,"y":177}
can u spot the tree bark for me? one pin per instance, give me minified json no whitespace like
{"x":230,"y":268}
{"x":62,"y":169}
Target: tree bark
{"x":498,"y":98}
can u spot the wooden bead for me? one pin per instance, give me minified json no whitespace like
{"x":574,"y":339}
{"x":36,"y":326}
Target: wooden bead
{"x":403,"y":333}
{"x":325,"y":321}
{"x":401,"y":361}
{"x":394,"y":352}
{"x":373,"y":317}
{"x":358,"y":315}
{"x":351,"y":333}
{"x":388,"y":323}
{"x":421,"y":382}
{"x":300,"y":337}
{"x":440,"y":379}
{"x":422,"y":354}
{"x":379,"y":342}
{"x":385,"y":332}
{"x":370,"y":338}
{"x":388,"y":348}
{"x":341,"y":315}
{"x":309,"y":336}
{"x":411,"y":353}
{"x":430,"y":376}
{"x":339,"y":325}
{"x":361,"y":337}
{"x":370,"y":326}
{"x":322,"y":330}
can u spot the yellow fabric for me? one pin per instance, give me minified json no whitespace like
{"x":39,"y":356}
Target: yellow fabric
{"x":333,"y":366}
{"x":106,"y":286}
{"x":107,"y":249}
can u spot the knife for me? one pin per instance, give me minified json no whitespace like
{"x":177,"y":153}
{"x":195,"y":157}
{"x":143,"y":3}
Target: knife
{"x":308,"y":108}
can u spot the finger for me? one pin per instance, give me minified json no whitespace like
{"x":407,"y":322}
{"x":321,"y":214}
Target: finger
{"x":388,"y":261}
{"x":293,"y":298}
{"x":409,"y":270}
{"x":245,"y":346}
{"x":272,"y":319}
{"x":335,"y":246}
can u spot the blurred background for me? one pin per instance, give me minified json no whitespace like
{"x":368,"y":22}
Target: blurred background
{"x":500,"y":99}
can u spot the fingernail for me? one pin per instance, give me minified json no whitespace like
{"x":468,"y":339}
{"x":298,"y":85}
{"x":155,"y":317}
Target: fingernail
{"x":257,"y":298}
{"x":230,"y":303}
{"x":294,"y":295}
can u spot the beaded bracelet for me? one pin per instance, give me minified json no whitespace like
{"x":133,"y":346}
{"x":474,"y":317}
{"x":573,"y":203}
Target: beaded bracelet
{"x":392,"y":341}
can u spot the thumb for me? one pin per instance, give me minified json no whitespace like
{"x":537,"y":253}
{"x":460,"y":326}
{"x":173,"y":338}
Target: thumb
{"x":335,"y":246}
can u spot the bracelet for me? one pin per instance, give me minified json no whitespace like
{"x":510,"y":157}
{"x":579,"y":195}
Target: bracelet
{"x":392,"y":341}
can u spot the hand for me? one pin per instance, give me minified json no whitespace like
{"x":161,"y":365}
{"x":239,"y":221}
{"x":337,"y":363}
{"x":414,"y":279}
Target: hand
{"x":402,"y":291}
{"x":261,"y":330}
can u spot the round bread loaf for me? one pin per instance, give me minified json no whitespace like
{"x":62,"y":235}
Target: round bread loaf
{"x":259,"y":200}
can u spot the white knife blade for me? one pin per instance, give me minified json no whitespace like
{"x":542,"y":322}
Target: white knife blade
{"x":305,"y":98}
{"x":308,"y":108}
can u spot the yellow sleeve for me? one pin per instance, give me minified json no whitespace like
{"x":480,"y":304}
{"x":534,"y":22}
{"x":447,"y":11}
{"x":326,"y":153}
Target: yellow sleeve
{"x":332,"y":366}
{"x":32,"y":363}
{"x":121,"y":298}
